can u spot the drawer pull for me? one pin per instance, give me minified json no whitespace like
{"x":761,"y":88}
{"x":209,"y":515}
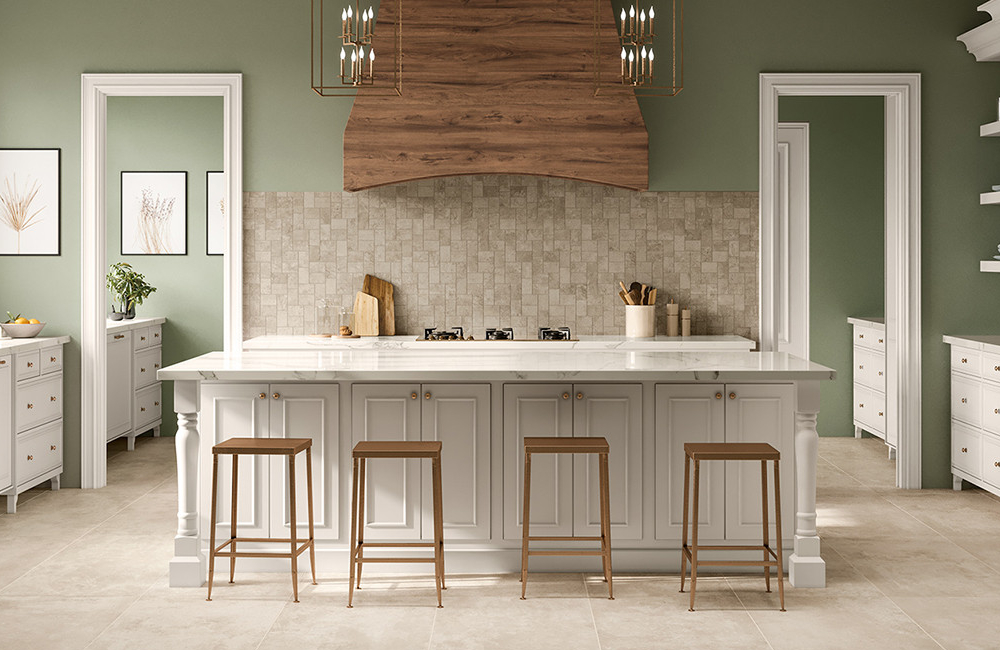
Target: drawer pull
{"x":276,"y":395}
{"x":31,"y":365}
{"x":880,"y":414}
{"x":156,"y":336}
{"x":965,"y":401}
{"x":52,"y":447}
{"x":3,"y":362}
{"x":142,"y":370}
{"x":880,"y":341}
{"x":156,"y":403}
{"x":119,"y":336}
{"x":427,"y":395}
{"x":879,"y":373}
{"x":262,"y":396}
{"x":996,"y":368}
{"x":579,"y":395}
{"x":30,"y":457}
{"x":142,"y":338}
{"x":718,"y":396}
{"x":52,"y":359}
{"x":142,"y":409}
{"x":861,"y":406}
{"x":861,"y":336}
{"x":565,"y":396}
{"x":996,"y":463}
{"x":964,"y":360}
{"x":156,"y":365}
{"x":732,"y":395}
{"x":965,"y":450}
{"x":52,"y":398}
{"x":861,"y":366}
{"x":413,"y":396}
{"x":30,"y":405}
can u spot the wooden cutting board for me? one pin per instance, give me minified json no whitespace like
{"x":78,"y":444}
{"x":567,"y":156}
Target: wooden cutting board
{"x":382,"y":291}
{"x":365,"y":314}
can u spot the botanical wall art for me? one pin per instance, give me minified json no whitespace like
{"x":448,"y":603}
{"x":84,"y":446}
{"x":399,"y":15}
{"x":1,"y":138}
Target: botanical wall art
{"x":154,"y":213}
{"x":29,"y":201}
{"x":215,"y":213}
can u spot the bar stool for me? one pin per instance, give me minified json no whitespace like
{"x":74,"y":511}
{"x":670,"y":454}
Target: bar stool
{"x":263,"y":447}
{"x":394,"y":449}
{"x":597,"y":446}
{"x":763,"y":452}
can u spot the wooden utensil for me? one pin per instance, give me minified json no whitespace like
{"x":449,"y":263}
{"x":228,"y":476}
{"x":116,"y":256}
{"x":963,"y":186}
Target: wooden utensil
{"x":652,"y":296}
{"x":622,"y":285}
{"x":635,"y":286}
{"x":643,"y":292}
{"x":382,"y":291}
{"x":365,"y":314}
{"x":624,"y":297}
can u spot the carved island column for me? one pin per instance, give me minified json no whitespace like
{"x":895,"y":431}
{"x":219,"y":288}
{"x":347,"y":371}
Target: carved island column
{"x":187,"y":568}
{"x":805,"y":566}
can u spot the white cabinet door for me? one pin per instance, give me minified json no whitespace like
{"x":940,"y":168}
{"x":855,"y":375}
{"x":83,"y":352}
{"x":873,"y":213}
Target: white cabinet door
{"x":759,"y":413}
{"x":306,"y":411}
{"x":458,"y":415}
{"x":537,"y":410}
{"x":6,"y":424}
{"x":688,"y":413}
{"x":119,"y":384}
{"x":612,"y":411}
{"x":392,"y":499}
{"x":235,"y":411}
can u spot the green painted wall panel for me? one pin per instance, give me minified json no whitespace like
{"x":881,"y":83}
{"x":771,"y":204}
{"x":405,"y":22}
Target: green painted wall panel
{"x":846,"y":234}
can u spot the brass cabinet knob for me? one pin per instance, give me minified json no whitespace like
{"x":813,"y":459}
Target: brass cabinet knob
{"x":565,"y":395}
{"x":30,"y":457}
{"x":996,"y":464}
{"x":965,"y":450}
{"x":52,"y":398}
{"x":996,"y":368}
{"x":276,"y":395}
{"x":119,"y":336}
{"x":142,"y":409}
{"x":732,"y":395}
{"x":31,"y":365}
{"x":262,"y":396}
{"x":964,"y":360}
{"x":142,"y":370}
{"x":156,"y":365}
{"x":965,"y":401}
{"x":52,"y":447}
{"x":427,"y":395}
{"x":861,"y":406}
{"x":861,"y":366}
{"x":861,"y":336}
{"x":413,"y":396}
{"x":880,"y":414}
{"x":879,"y":373}
{"x":156,"y":336}
{"x":718,"y":396}
{"x":142,"y":338}
{"x":579,"y":395}
{"x":30,"y":405}
{"x":3,"y":362}
{"x":997,"y":411}
{"x":880,"y":341}
{"x":52,"y":359}
{"x":156,"y":403}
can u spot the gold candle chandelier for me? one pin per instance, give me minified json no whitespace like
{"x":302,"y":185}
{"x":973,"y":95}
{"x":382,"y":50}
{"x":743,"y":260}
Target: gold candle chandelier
{"x":356,"y":49}
{"x":653,"y":66}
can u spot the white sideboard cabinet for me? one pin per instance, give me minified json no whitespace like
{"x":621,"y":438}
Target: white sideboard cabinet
{"x":975,"y":411}
{"x":134,"y":396}
{"x":869,"y":380}
{"x":31,"y":414}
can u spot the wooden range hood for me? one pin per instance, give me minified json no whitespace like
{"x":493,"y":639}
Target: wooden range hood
{"x":498,"y":87}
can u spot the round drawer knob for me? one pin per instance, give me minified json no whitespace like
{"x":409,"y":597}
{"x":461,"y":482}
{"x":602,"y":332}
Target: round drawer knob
{"x":565,"y":395}
{"x":861,"y":366}
{"x":262,"y":396}
{"x":996,"y":464}
{"x":861,"y":336}
{"x":3,"y":362}
{"x":965,"y":360}
{"x":31,"y":365}
{"x":30,"y":405}
{"x":52,"y":447}
{"x":880,"y":414}
{"x":996,"y":368}
{"x":156,"y":403}
{"x":413,"y":396}
{"x":156,"y":365}
{"x":579,"y":395}
{"x":427,"y":395}
{"x":142,"y":370}
{"x":276,"y":395}
{"x":142,"y":409}
{"x":718,"y":396}
{"x":732,"y":395}
{"x":52,"y":398}
{"x":879,"y":373}
{"x":52,"y":359}
{"x":965,"y":401}
{"x":142,"y":338}
{"x":880,"y":340}
{"x":861,"y":406}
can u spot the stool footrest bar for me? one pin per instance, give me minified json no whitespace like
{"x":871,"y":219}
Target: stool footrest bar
{"x":564,"y":538}
{"x":530,"y":552}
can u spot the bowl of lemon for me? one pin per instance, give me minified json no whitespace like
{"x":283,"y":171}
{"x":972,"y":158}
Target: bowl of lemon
{"x":19,"y":327}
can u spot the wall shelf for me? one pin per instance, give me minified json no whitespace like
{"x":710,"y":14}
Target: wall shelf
{"x":988,"y":198}
{"x":989,"y":266}
{"x":990,"y":130}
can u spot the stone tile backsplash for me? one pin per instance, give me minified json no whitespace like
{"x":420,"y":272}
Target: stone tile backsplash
{"x":510,"y":251}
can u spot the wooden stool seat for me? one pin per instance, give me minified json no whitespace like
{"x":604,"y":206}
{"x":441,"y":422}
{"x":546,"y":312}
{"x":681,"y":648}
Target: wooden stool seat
{"x":555,"y":445}
{"x":755,"y":451}
{"x":368,"y":449}
{"x":262,"y":447}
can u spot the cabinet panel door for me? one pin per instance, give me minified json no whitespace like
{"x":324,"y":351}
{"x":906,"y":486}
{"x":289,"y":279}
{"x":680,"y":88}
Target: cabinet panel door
{"x":392,"y":499}
{"x":759,"y":413}
{"x":235,"y":411}
{"x":119,"y":398}
{"x":688,"y":413}
{"x":307,"y":411}
{"x":612,"y":411}
{"x":459,"y":416}
{"x":6,"y":424}
{"x":537,"y":410}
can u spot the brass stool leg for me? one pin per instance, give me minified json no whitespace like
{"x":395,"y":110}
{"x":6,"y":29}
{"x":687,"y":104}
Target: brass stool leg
{"x":211,"y":524}
{"x":439,"y":518}
{"x":606,"y":523}
{"x":354,"y":532}
{"x":309,"y":498}
{"x":777,"y":535}
{"x":763,"y":499}
{"x":526,"y":517}
{"x":361,"y":519}
{"x":438,"y":546}
{"x":694,"y":535}
{"x":684,"y":520}
{"x":602,"y":504}
{"x":232,"y":519}
{"x":292,"y":522}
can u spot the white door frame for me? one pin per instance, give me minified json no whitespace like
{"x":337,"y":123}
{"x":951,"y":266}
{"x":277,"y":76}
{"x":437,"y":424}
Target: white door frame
{"x":793,"y":238}
{"x":96,"y":88}
{"x":902,"y":236}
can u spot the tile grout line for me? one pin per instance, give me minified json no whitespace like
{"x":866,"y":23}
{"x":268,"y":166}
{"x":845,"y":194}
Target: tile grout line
{"x":590,"y":604}
{"x":430,"y":638}
{"x":120,"y":614}
{"x":749,"y":614}
{"x":270,"y":627}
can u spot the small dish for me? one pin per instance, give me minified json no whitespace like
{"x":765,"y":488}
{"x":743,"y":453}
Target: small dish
{"x":22,"y":331}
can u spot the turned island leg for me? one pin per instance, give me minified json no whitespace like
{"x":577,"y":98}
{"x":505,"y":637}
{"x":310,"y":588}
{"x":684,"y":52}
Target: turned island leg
{"x":187,"y":568}
{"x":805,"y":566}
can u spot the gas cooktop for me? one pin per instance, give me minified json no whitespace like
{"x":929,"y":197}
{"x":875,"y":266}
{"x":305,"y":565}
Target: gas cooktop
{"x":495,"y":334}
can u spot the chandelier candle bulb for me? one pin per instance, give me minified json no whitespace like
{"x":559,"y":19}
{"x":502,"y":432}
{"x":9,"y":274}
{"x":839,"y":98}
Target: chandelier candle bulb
{"x":343,"y":56}
{"x":650,"y":63}
{"x":343,"y":24}
{"x":371,"y":63}
{"x":350,"y":20}
{"x":624,"y":28}
{"x":631,"y":19}
{"x":642,"y":64}
{"x":642,"y":23}
{"x":623,"y":62}
{"x":651,"y":14}
{"x":631,"y":65}
{"x":354,"y":66}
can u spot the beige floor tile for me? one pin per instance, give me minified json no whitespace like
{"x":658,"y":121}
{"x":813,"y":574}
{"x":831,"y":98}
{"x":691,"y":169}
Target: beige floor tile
{"x":962,"y":623}
{"x":984,"y":547}
{"x":54,"y":622}
{"x":967,"y":512}
{"x":150,"y":514}
{"x":19,"y":555}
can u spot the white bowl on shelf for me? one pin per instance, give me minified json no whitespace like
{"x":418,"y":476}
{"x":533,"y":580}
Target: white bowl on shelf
{"x":22,"y":331}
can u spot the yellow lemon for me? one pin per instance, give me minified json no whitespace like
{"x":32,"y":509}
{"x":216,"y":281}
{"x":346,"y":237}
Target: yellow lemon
{"x":22,"y":321}
{"x":34,"y":321}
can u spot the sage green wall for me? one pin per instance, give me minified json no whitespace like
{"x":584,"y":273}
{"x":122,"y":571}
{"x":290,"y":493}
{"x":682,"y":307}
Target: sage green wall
{"x":846,"y":234}
{"x":703,"y":139}
{"x":171,"y":134}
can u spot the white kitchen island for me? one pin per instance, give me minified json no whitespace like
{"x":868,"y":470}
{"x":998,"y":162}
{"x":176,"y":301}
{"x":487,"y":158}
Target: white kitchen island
{"x":481,"y":403}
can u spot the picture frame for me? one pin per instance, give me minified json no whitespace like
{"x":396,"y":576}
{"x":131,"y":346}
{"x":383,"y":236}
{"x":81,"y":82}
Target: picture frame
{"x":215,"y":213}
{"x":30,"y":202}
{"x":153,"y":213}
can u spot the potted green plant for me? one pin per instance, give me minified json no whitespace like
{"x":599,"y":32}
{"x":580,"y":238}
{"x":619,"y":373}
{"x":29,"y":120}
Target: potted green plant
{"x":128,"y":288}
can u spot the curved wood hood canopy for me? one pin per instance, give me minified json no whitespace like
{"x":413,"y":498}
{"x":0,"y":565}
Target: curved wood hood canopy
{"x":498,"y":87}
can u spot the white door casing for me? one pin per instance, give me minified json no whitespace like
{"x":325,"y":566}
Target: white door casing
{"x":793,"y":238}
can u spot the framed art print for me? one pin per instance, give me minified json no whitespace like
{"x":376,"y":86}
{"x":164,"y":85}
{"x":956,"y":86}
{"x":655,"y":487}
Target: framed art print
{"x":215,"y":213}
{"x":154,"y":213}
{"x":29,"y":201}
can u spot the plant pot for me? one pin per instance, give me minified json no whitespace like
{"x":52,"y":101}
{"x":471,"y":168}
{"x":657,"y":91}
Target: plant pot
{"x":130,"y":314}
{"x":115,"y":315}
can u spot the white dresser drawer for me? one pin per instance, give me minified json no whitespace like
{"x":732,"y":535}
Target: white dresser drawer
{"x":991,"y":367}
{"x":991,"y":408}
{"x":869,"y":368}
{"x":147,"y":362}
{"x":28,"y":365}
{"x":965,"y":360}
{"x":147,"y":406}
{"x":5,"y":362}
{"x":966,"y":449}
{"x":869,"y":409}
{"x":141,"y":337}
{"x":155,"y":335}
{"x":51,"y":359}
{"x":38,"y":401}
{"x":991,"y":460}
{"x":39,"y":451}
{"x":869,"y":337}
{"x":966,"y":400}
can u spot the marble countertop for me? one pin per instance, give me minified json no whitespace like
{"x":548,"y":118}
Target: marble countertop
{"x":27,"y":345}
{"x":986,"y":342}
{"x":542,"y":365}
{"x":133,"y":323}
{"x":410,"y":342}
